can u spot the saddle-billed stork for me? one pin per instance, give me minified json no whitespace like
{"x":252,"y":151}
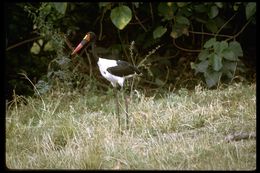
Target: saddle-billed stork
{"x":115,"y":71}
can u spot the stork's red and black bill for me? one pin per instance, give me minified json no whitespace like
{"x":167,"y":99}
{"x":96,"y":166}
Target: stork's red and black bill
{"x":81,"y":44}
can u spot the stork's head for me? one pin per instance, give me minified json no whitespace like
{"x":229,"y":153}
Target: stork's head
{"x":89,"y":37}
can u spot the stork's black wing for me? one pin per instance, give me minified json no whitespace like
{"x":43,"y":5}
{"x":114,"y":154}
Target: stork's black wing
{"x":123,"y":68}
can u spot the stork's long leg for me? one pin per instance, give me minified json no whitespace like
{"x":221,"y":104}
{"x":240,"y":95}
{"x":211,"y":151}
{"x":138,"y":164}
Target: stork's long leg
{"x":126,"y":111}
{"x":117,"y":109}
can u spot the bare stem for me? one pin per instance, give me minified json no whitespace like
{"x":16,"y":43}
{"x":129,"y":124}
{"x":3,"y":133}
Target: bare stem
{"x":140,"y":23}
{"x":242,"y":29}
{"x":184,"y":49}
{"x":206,"y":33}
{"x":23,"y":42}
{"x":225,"y":24}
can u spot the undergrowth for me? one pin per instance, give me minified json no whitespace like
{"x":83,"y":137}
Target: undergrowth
{"x":182,"y":130}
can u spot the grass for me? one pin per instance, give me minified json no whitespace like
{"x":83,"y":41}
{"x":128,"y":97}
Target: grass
{"x":183,"y":130}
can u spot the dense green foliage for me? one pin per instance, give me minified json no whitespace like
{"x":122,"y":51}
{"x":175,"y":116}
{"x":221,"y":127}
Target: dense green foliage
{"x":191,"y":35}
{"x":217,"y":59}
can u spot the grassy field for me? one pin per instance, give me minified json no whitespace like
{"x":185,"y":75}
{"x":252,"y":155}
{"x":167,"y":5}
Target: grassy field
{"x":182,"y":130}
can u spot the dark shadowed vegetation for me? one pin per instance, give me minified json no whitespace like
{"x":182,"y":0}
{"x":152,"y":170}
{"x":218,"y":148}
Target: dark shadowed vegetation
{"x":207,"y":43}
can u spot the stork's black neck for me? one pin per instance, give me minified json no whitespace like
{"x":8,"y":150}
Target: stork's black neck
{"x":94,"y":51}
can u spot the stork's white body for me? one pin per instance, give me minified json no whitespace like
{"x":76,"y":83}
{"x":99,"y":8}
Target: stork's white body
{"x":104,"y":64}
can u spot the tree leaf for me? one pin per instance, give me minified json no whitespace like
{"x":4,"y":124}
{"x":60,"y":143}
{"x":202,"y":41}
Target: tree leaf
{"x":177,"y":30}
{"x":121,"y":16}
{"x":174,"y":34}
{"x":137,"y":4}
{"x":216,"y":46}
{"x":219,"y":47}
{"x":236,"y":6}
{"x":241,"y":67}
{"x":165,"y":10}
{"x":212,"y":26}
{"x":210,"y":42}
{"x":219,"y":4}
{"x":193,"y":65}
{"x":200,"y":8}
{"x":250,"y":9}
{"x":182,"y":4}
{"x":236,"y":48}
{"x":185,"y":31}
{"x":229,"y":68}
{"x":159,"y":31}
{"x":48,"y":46}
{"x":203,"y":54}
{"x":182,"y":20}
{"x":229,"y":55}
{"x":47,"y":8}
{"x":216,"y":61}
{"x":35,"y":48}
{"x":222,"y":46}
{"x":60,"y":7}
{"x":201,"y":67}
{"x":213,"y":12}
{"x":212,"y":77}
{"x":103,"y":4}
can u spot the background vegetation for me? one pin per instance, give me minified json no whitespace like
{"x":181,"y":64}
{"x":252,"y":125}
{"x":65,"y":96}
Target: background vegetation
{"x":192,"y":42}
{"x":193,"y":108}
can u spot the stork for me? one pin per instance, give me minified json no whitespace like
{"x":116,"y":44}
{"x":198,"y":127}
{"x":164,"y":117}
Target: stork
{"x":115,"y":71}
